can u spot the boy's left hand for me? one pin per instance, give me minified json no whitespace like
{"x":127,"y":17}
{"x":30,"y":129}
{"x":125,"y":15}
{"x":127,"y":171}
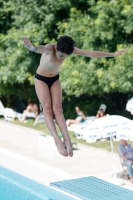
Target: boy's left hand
{"x":121,"y":52}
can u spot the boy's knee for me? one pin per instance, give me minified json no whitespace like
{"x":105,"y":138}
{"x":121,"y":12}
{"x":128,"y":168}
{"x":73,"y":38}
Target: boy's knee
{"x":57,"y":109}
{"x":47,"y":109}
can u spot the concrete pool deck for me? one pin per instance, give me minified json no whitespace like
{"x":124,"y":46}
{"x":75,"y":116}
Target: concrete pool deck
{"x":19,"y":151}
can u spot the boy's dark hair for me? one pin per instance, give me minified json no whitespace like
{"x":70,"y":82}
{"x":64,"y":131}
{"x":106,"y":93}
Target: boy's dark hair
{"x":65,"y":44}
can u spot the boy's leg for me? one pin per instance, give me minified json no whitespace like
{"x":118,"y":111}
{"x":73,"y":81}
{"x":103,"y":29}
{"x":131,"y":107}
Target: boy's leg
{"x":43,"y":94}
{"x":56,"y":96}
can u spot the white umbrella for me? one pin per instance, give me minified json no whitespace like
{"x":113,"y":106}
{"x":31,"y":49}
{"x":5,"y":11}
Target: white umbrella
{"x":129,"y":105}
{"x":126,"y":131}
{"x":105,"y":127}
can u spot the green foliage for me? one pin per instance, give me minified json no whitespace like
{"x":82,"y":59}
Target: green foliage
{"x":24,"y":18}
{"x":96,"y":25}
{"x":104,"y":27}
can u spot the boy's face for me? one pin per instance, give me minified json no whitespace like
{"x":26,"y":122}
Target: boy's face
{"x":60,"y":56}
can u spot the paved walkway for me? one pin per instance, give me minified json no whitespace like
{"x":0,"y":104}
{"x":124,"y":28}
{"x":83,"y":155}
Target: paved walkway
{"x":87,"y":161}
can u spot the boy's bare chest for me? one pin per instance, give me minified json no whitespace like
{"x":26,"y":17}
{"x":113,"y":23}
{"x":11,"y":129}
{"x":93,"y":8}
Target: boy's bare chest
{"x":49,"y":62}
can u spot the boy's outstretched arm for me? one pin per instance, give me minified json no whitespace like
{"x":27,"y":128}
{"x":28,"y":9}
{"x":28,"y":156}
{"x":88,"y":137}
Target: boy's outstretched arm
{"x":38,"y":49}
{"x":97,"y":54}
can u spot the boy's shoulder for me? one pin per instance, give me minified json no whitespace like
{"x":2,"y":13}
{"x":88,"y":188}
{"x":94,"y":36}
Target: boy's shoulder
{"x":49,"y":47}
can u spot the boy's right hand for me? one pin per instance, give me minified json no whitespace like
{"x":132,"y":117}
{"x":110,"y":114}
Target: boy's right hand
{"x":28,"y":44}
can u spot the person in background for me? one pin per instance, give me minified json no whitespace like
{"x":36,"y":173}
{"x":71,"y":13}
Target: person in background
{"x":80,"y":117}
{"x":126,"y":153}
{"x":100,"y":113}
{"x":32,"y":107}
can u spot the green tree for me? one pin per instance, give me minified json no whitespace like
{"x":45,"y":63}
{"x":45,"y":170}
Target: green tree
{"x":105,"y":26}
{"x":99,"y":25}
{"x":35,"y":19}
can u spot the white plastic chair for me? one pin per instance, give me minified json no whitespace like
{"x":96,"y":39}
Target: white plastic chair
{"x":124,"y":172}
{"x":8,"y":113}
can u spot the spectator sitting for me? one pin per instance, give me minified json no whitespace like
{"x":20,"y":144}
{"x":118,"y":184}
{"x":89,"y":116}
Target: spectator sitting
{"x":126,"y":153}
{"x":100,"y":113}
{"x":80,"y":117}
{"x":32,"y":107}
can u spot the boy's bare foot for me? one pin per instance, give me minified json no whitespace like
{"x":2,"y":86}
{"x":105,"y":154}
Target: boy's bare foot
{"x":68,"y":145}
{"x":61,"y":149}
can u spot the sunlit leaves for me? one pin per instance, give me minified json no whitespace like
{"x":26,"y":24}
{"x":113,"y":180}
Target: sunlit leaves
{"x":94,"y":25}
{"x":103,"y":28}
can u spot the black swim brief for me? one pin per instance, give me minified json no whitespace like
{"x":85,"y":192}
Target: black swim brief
{"x":48,"y":80}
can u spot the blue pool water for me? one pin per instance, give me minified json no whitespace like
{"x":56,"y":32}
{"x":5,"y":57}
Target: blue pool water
{"x":14,"y":186}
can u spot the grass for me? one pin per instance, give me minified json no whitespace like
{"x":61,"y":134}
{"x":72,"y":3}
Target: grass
{"x":98,"y":144}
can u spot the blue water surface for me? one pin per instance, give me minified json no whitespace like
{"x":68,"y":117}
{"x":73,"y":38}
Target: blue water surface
{"x":14,"y":186}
